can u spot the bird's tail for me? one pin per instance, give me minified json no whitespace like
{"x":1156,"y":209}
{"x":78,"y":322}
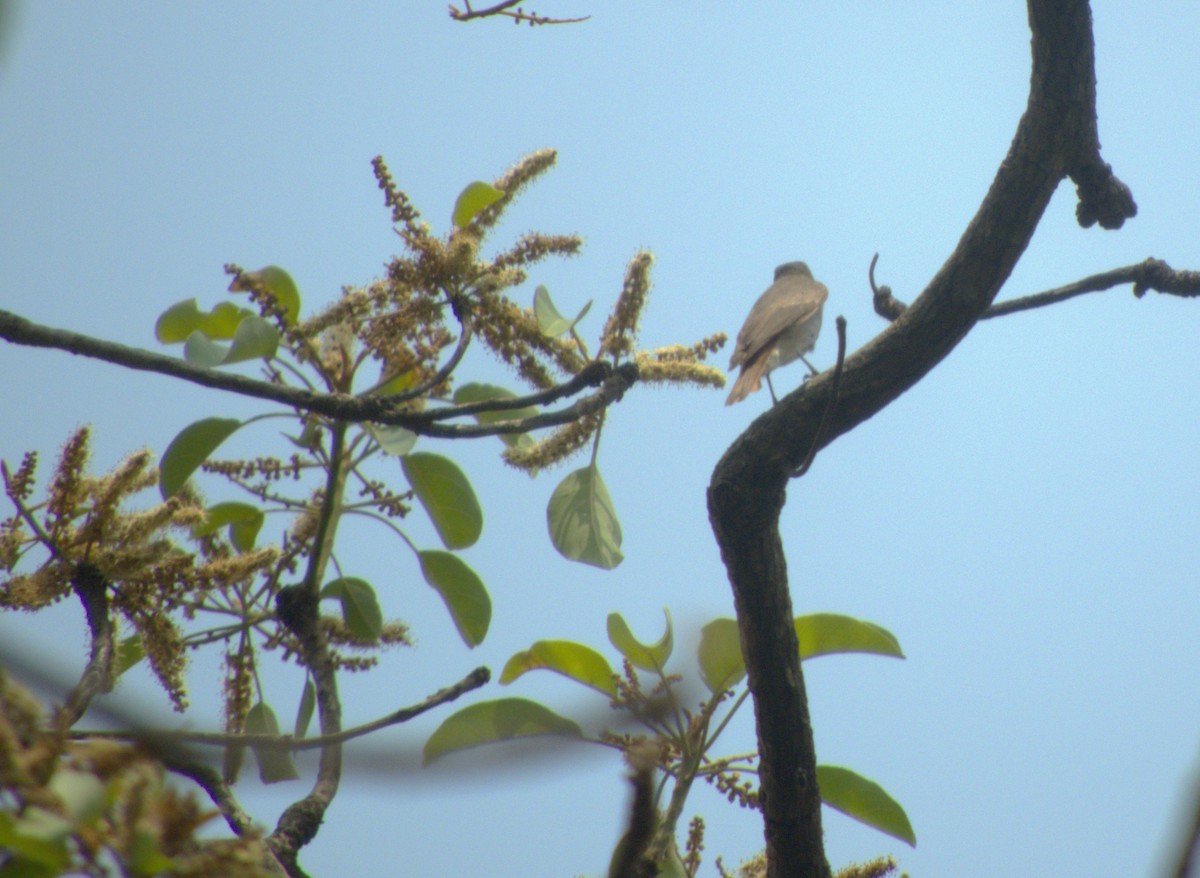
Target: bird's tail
{"x":749,"y":381}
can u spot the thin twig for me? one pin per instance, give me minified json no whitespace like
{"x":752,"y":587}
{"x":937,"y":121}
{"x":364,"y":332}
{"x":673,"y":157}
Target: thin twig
{"x":887,"y":306}
{"x":297,"y":606}
{"x":474,"y":680}
{"x":833,"y":395}
{"x":211,"y":782}
{"x":592,"y":374}
{"x":1151,"y":274}
{"x":464,"y":339}
{"x":503,"y":9}
{"x":612,"y":385}
{"x":91,"y":587}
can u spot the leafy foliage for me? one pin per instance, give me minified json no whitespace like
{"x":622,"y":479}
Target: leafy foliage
{"x":679,"y":740}
{"x":188,"y":574}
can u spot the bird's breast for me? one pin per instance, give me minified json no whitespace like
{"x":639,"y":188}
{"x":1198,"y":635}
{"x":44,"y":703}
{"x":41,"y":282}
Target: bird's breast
{"x":795,"y":341}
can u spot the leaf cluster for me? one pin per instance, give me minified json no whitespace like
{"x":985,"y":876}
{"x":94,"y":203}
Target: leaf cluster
{"x":187,"y":574}
{"x":681,"y":740}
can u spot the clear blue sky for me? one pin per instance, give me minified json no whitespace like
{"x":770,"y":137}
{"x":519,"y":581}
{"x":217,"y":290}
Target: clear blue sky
{"x":1023,"y":520}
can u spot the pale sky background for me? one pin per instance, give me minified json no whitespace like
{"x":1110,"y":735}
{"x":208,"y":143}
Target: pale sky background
{"x":1024,"y":520}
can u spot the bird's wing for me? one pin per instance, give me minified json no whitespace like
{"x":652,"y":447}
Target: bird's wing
{"x":780,"y":314}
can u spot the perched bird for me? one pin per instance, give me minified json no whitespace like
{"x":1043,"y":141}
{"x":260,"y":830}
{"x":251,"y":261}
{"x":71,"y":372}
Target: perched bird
{"x":783,"y":326}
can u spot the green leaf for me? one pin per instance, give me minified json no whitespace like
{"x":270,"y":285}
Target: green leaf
{"x":360,"y":607}
{"x":255,"y":339}
{"x":490,"y":722}
{"x":83,"y":795}
{"x":865,"y":801}
{"x":276,"y":282}
{"x":720,"y":655}
{"x":447,"y":496}
{"x":574,"y":660}
{"x":583,"y":521}
{"x":273,"y":765}
{"x":475,"y":198}
{"x":550,"y":322}
{"x":189,"y":449}
{"x":129,"y":653}
{"x":470,"y":393}
{"x":145,"y":858}
{"x":41,"y":824}
{"x":243,"y":519}
{"x":395,"y":441}
{"x":462,"y":591}
{"x":647,"y":656}
{"x":828,"y":633}
{"x":37,"y":843}
{"x":304,"y":714}
{"x":183,"y":318}
{"x":398,"y":383}
{"x":311,"y":434}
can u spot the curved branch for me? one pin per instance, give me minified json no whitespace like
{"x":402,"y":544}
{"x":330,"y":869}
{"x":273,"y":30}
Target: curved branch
{"x":833,"y":395}
{"x":91,"y":588}
{"x":464,"y":339}
{"x":210,"y":780}
{"x":887,"y":306}
{"x":1056,"y":136}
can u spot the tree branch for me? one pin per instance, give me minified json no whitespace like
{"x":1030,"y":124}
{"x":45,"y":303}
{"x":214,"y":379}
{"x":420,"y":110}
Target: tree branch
{"x":504,"y":9}
{"x":91,"y":588}
{"x":833,"y":395}
{"x":611,"y":383}
{"x":297,"y":606}
{"x":1150,"y":274}
{"x":1056,"y":136}
{"x":157,"y":737}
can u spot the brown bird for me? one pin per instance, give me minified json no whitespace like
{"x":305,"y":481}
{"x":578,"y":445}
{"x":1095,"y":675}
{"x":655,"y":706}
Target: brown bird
{"x":783,"y":326}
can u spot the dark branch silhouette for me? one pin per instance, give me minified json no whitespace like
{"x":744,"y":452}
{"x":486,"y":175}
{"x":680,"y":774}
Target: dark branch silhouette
{"x":1057,"y":137}
{"x":1150,"y":274}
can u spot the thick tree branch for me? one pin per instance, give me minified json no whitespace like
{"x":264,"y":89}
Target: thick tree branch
{"x":1056,"y":136}
{"x":1189,"y":852}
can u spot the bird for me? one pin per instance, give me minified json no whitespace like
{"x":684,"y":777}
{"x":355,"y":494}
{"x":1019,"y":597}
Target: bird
{"x":782,"y":326}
